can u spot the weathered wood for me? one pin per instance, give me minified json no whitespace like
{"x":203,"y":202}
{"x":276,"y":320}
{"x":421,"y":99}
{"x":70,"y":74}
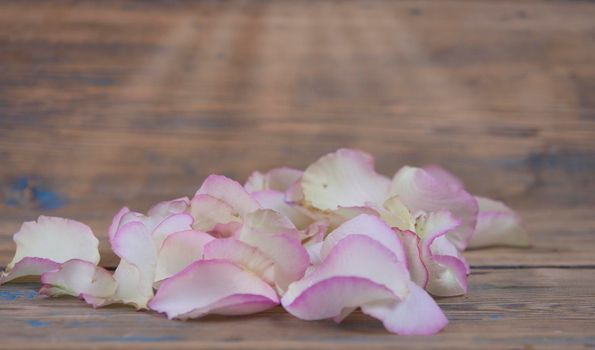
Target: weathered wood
{"x":105,"y":104}
{"x":513,"y":309}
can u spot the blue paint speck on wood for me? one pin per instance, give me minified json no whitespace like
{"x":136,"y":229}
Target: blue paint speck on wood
{"x":12,"y":295}
{"x":25,"y":188}
{"x":37,"y":323}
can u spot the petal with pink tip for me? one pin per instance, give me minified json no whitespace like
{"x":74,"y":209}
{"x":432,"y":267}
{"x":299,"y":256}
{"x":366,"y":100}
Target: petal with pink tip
{"x":28,"y":266}
{"x":358,"y":270}
{"x":345,"y":178}
{"x":179,"y":250}
{"x":167,"y":208}
{"x":213,"y":214}
{"x":432,"y":189}
{"x":172,"y":224}
{"x":445,"y":264}
{"x":116,"y":222}
{"x":51,"y":238}
{"x":275,"y":200}
{"x":135,"y":274}
{"x":230,"y":192}
{"x":415,"y":260}
{"x":241,"y":254}
{"x":497,"y":224}
{"x":416,"y":314}
{"x":279,"y":179}
{"x":367,"y":225}
{"x":212,"y":286}
{"x":81,"y":279}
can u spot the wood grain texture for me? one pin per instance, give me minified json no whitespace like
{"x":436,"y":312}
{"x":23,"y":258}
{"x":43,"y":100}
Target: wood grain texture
{"x":503,"y":309}
{"x":105,"y":104}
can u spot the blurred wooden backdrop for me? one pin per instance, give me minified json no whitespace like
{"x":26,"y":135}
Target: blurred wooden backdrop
{"x":105,"y":104}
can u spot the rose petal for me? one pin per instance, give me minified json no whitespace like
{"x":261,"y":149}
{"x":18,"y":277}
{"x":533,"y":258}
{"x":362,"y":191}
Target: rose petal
{"x":167,"y":208}
{"x":170,"y":225}
{"x":367,"y":225}
{"x":54,"y":239}
{"x":397,"y":215}
{"x":28,"y":267}
{"x":116,"y":222}
{"x":275,"y":200}
{"x":214,"y":216}
{"x":431,"y":189}
{"x":230,"y":192}
{"x":241,"y":254}
{"x":416,"y":314}
{"x":357,"y":271}
{"x":179,"y":250}
{"x":497,"y":224}
{"x":81,"y":279}
{"x":212,"y":286}
{"x":279,"y":179}
{"x":345,"y":178}
{"x":135,"y":274}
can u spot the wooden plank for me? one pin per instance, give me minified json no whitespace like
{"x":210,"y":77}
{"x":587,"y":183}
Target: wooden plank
{"x":505,"y":308}
{"x":110,"y":104}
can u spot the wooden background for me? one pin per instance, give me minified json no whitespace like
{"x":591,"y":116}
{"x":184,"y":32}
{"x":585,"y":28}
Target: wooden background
{"x":105,"y":104}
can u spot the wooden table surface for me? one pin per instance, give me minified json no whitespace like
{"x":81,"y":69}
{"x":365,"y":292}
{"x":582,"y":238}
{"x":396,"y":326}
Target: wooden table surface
{"x":105,"y":104}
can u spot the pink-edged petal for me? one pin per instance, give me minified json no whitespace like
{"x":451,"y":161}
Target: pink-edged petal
{"x":179,"y":250}
{"x":432,"y":189}
{"x":28,"y":267}
{"x":212,"y":286}
{"x":116,"y":222}
{"x":167,"y":208}
{"x":497,"y":224}
{"x":212,"y":214}
{"x":335,"y":297}
{"x":444,"y":262}
{"x":243,"y":255}
{"x":415,"y":261}
{"x":448,"y":276}
{"x":367,"y":225}
{"x":230,"y":192}
{"x":416,"y":314}
{"x":279,"y":179}
{"x":55,"y":239}
{"x":357,"y":271}
{"x":81,"y":279}
{"x":135,"y":274}
{"x":172,"y":224}
{"x":275,"y":200}
{"x":274,"y":235}
{"x":345,"y":178}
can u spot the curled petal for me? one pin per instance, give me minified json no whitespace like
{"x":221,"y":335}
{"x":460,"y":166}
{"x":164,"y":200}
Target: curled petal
{"x":28,"y":266}
{"x":415,"y":260}
{"x":167,"y":208}
{"x":357,"y":271}
{"x":213,"y":287}
{"x":396,"y":214}
{"x":416,"y":314}
{"x":241,"y":254}
{"x":51,"y":238}
{"x":275,"y":236}
{"x":116,"y":222}
{"x":214,"y":215}
{"x":81,"y":279}
{"x":172,"y":224}
{"x":275,"y":200}
{"x":135,"y":274}
{"x":345,"y":178}
{"x":432,"y":189}
{"x":445,"y":265}
{"x":279,"y":179}
{"x":497,"y":224}
{"x":367,"y":225}
{"x":180,"y":250}
{"x":230,"y":192}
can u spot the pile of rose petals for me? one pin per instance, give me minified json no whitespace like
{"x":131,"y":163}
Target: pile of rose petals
{"x":321,"y":242}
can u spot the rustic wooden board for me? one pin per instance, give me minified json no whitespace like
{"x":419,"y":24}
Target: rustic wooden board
{"x":534,"y":309}
{"x":105,"y":104}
